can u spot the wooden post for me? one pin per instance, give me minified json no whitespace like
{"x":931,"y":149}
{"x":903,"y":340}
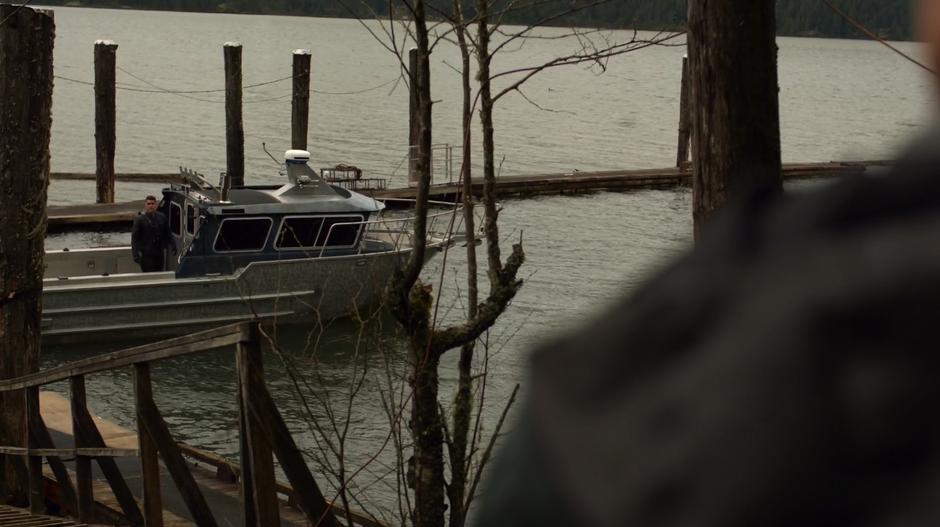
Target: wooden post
{"x":735,"y":116}
{"x":105,"y":139}
{"x":256,"y":455}
{"x":87,"y":433}
{"x":83,"y":475}
{"x":413,"y":123}
{"x":234,"y":130}
{"x":26,"y":41}
{"x":300,"y":109}
{"x":37,"y":502}
{"x":149,"y":462}
{"x":685,"y":120}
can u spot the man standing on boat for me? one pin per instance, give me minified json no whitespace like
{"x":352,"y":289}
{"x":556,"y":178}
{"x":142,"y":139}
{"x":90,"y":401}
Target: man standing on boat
{"x":150,"y":236}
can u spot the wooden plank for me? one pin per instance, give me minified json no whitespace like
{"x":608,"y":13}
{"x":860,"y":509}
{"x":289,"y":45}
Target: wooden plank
{"x":88,"y":434}
{"x":85,"y":497}
{"x":228,"y":471}
{"x":165,"y":349}
{"x":131,"y":177}
{"x":261,"y":406}
{"x":255,"y":443}
{"x":92,"y":452}
{"x":173,"y":460}
{"x":149,"y":462}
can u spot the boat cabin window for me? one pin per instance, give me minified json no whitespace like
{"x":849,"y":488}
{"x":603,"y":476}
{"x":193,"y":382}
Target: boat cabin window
{"x":191,"y":222}
{"x":242,"y":234}
{"x":176,"y":219}
{"x":305,"y":232}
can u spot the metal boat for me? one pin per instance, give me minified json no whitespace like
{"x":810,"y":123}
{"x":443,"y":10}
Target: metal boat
{"x":304,"y":250}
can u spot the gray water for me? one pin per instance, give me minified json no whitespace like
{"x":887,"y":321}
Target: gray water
{"x":840,"y":99}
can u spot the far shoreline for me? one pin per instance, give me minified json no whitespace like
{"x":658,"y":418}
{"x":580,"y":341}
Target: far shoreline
{"x":681,"y":28}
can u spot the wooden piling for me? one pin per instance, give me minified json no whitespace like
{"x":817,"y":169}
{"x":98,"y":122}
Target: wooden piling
{"x":300,"y":108}
{"x":412,"y":115}
{"x":25,"y":106}
{"x":685,"y":120}
{"x":105,"y":117}
{"x":234,"y":130}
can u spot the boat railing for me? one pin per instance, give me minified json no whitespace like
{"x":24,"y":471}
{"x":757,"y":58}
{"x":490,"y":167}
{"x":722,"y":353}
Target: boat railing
{"x":442,"y":225}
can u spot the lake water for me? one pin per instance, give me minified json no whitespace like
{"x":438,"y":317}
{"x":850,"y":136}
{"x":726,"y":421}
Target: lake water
{"x":839,"y":99}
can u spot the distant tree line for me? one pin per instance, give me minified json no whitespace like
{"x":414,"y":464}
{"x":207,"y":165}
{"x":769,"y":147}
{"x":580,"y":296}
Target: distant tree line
{"x":889,"y":18}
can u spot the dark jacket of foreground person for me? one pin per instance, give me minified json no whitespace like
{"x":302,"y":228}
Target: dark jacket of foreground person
{"x":785,"y":373}
{"x":149,"y":237}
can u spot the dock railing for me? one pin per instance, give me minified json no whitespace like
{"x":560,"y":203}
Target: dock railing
{"x":262,"y":434}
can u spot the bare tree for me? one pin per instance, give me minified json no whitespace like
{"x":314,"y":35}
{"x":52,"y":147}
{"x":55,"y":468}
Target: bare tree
{"x":412,"y":300}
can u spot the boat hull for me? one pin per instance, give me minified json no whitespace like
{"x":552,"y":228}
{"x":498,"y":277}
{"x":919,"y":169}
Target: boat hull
{"x":140,"y":305}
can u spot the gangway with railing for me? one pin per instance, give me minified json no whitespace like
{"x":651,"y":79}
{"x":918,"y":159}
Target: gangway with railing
{"x":262,"y":431}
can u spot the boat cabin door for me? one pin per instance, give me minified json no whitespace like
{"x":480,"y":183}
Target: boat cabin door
{"x":176,"y":236}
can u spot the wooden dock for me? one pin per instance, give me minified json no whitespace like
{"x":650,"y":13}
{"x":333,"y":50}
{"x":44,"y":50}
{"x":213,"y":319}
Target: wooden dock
{"x":66,"y":441}
{"x":116,"y":216}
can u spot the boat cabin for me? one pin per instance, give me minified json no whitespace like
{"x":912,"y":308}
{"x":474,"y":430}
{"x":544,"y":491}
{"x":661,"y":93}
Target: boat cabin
{"x":216,"y":231}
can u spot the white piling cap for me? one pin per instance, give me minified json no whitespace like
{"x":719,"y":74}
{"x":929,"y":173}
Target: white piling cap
{"x":301,"y":52}
{"x":297,"y":156}
{"x":232,"y":45}
{"x":105,"y":43}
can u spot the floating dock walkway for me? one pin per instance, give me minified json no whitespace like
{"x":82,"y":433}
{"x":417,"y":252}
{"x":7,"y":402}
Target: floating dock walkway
{"x":121,"y":215}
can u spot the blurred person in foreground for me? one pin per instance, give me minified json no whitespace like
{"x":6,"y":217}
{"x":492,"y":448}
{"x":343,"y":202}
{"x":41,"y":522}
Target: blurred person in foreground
{"x":786,"y":372}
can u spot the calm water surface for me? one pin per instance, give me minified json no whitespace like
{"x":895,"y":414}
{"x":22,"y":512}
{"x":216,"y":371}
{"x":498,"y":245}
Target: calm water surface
{"x":839,"y":100}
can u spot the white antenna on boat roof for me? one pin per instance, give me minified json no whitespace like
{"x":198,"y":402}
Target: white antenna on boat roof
{"x":297,"y":170}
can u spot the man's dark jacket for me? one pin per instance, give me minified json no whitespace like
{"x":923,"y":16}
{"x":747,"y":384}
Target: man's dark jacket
{"x":149,"y":237}
{"x":786,"y":372}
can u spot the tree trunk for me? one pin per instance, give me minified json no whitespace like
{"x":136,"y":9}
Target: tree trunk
{"x":490,"y":225}
{"x":428,"y":437}
{"x":26,"y":41}
{"x":463,"y":400}
{"x":735,"y":119}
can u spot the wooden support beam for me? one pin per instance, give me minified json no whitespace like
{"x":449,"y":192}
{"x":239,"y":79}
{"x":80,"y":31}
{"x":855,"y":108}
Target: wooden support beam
{"x":42,"y":440}
{"x":37,"y":501}
{"x":85,"y":496}
{"x":261,"y":407}
{"x":25,"y":122}
{"x":260,"y":497}
{"x":86,"y":433}
{"x":300,"y":102}
{"x":685,"y":118}
{"x":149,"y":462}
{"x":157,"y":430}
{"x":234,"y":129}
{"x":105,"y":119}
